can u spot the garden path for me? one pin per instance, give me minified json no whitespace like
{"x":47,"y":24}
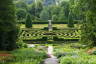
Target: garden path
{"x":52,"y":59}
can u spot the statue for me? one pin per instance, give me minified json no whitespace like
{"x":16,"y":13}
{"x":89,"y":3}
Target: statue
{"x":50,"y":25}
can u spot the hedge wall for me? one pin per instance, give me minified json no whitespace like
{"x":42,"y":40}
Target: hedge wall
{"x":75,"y":22}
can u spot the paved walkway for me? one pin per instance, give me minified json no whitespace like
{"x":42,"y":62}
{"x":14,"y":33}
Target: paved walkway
{"x":52,"y":59}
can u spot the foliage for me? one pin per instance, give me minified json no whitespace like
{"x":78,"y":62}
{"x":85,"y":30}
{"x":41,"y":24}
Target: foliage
{"x":58,"y":11}
{"x":26,"y":56}
{"x":21,"y":14}
{"x":71,"y":55}
{"x":63,"y":35}
{"x":21,"y":44}
{"x":35,"y":9}
{"x":54,"y":28}
{"x":28,"y":21}
{"x":70,"y":21}
{"x":89,"y":24}
{"x":62,"y":15}
{"x":21,"y":5}
{"x":94,"y":53}
{"x":44,"y":15}
{"x":54,"y":18}
{"x":8,"y":29}
{"x":82,"y":59}
{"x":66,"y":9}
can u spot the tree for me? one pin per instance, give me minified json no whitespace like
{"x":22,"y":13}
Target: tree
{"x":21,"y":14}
{"x":55,"y":10}
{"x":21,"y":4}
{"x":62,"y":16}
{"x":36,"y":8}
{"x":32,"y":10}
{"x":70,"y":21}
{"x":8,"y":30}
{"x":39,"y":8}
{"x":54,"y":18}
{"x":89,"y":23}
{"x":28,"y":21}
{"x":44,"y":15}
{"x":66,"y":8}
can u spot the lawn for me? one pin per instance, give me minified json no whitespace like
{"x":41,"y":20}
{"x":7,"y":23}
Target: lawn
{"x":40,"y":26}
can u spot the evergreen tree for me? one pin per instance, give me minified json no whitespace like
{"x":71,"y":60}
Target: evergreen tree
{"x":28,"y":21}
{"x":8,"y":30}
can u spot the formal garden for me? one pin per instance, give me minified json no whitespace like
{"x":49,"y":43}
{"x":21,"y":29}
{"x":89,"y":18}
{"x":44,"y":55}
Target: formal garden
{"x":48,"y":32}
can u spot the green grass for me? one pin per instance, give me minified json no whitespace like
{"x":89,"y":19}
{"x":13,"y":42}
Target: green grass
{"x":41,"y":26}
{"x":59,"y":26}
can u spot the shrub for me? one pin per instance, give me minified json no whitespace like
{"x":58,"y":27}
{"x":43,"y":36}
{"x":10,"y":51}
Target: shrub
{"x":28,"y":22}
{"x":54,"y":28}
{"x":81,"y":59}
{"x":44,"y":38}
{"x":94,"y":53}
{"x":21,"y":44}
{"x":29,"y":54}
{"x":26,"y":56}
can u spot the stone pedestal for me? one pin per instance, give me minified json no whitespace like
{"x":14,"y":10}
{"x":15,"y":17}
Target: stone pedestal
{"x":50,"y":25}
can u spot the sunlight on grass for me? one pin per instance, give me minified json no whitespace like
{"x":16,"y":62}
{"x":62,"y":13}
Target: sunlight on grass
{"x":40,"y":26}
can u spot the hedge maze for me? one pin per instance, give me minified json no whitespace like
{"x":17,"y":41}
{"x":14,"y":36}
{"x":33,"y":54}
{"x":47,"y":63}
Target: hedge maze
{"x":55,"y":35}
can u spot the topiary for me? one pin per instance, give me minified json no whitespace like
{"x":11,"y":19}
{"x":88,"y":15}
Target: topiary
{"x":28,"y":22}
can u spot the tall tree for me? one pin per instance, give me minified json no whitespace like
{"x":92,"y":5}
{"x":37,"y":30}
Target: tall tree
{"x":89,"y":24}
{"x":39,"y":8}
{"x":44,"y":15}
{"x":8,"y":30}
{"x":65,"y":6}
{"x":62,"y":16}
{"x":36,"y":8}
{"x":70,"y":21}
